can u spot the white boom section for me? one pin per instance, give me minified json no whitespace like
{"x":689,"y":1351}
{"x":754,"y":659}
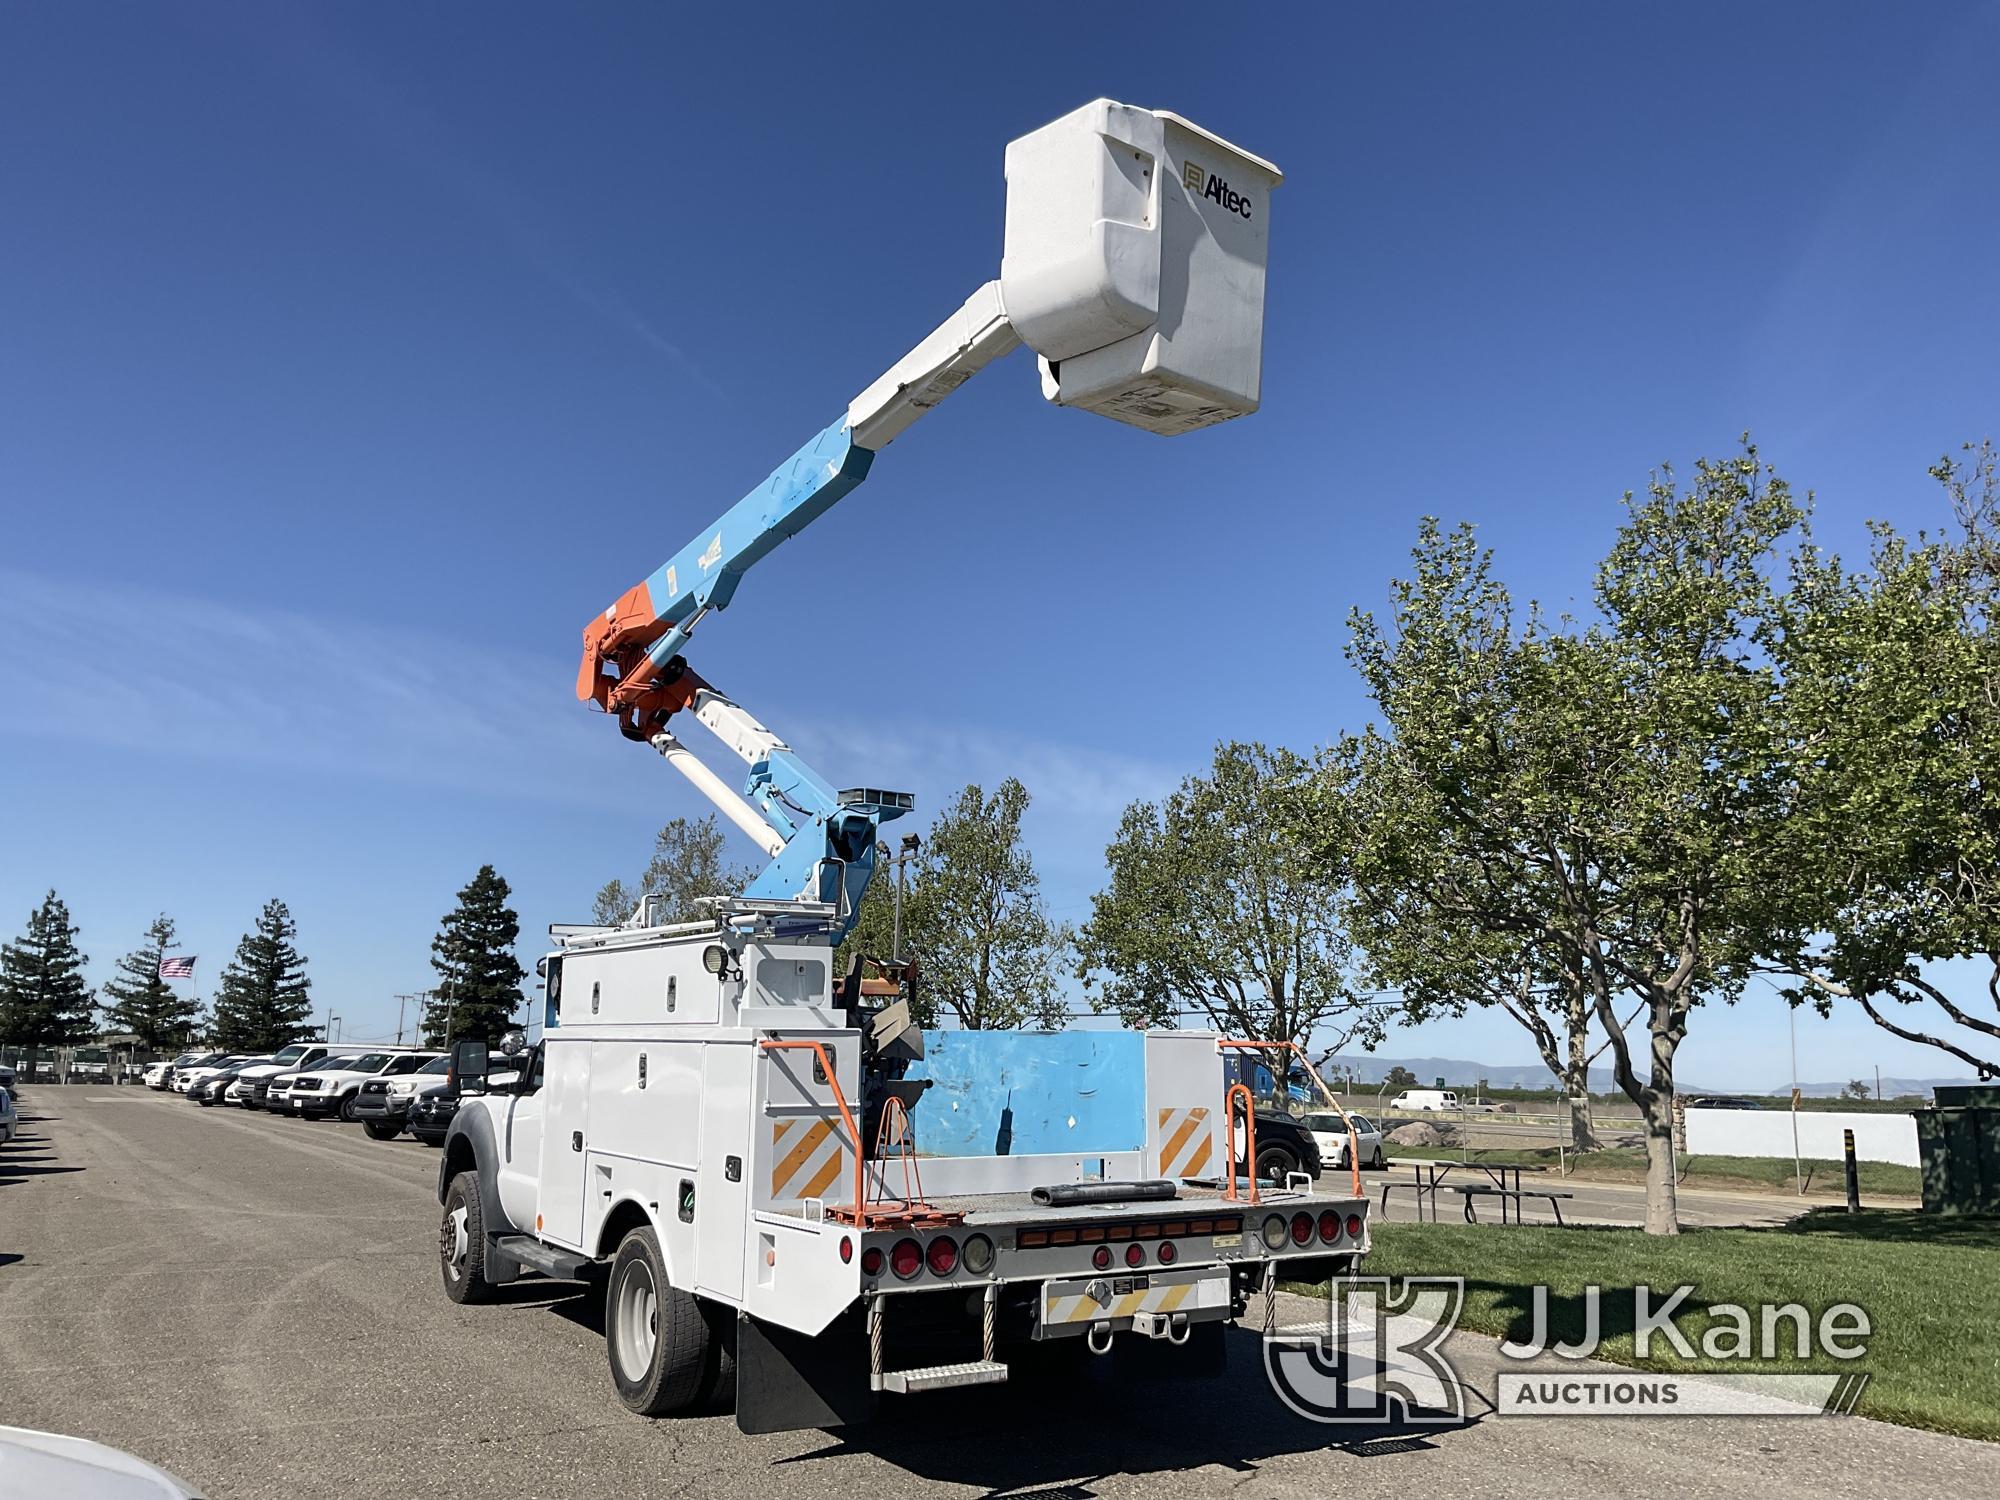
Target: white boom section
{"x":733,"y":724}
{"x":959,"y":348}
{"x":721,"y":793}
{"x":741,"y":730}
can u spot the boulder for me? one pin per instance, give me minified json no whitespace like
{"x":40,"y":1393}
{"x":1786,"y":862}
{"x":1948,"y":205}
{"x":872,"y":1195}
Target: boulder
{"x":1416,"y":1134}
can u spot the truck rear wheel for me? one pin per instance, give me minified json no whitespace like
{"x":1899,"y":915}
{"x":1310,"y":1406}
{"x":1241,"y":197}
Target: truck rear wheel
{"x":381,"y":1130}
{"x":462,"y":1242}
{"x":662,"y":1354}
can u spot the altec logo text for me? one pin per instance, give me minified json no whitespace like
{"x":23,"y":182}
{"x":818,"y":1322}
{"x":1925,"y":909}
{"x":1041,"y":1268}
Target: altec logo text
{"x":1205,"y":184}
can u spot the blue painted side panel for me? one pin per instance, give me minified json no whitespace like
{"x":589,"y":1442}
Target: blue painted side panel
{"x":1021,"y":1093}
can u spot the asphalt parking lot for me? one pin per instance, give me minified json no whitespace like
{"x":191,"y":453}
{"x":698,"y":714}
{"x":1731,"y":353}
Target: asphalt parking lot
{"x":253,"y":1303}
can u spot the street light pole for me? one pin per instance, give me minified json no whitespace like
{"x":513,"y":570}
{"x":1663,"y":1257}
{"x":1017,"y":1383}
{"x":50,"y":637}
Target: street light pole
{"x":900,"y":862}
{"x":1799,"y":1165}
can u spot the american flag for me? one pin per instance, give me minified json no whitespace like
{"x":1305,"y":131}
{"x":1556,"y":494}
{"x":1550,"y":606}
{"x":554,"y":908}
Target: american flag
{"x":176,"y":967}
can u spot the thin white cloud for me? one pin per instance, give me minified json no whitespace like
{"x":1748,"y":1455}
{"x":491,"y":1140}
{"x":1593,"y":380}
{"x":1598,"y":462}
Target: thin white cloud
{"x":193,"y":677}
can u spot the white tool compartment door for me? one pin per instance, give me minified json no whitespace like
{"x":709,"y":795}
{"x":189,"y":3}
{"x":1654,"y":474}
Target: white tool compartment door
{"x":566,"y":1105}
{"x":722,"y":1197}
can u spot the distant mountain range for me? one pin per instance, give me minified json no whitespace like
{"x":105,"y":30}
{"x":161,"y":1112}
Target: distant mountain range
{"x":1457,"y":1072}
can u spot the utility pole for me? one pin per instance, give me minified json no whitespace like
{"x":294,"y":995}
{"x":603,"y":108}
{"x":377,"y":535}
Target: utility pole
{"x":401,"y":1000}
{"x":899,"y":863}
{"x":1799,"y":1165}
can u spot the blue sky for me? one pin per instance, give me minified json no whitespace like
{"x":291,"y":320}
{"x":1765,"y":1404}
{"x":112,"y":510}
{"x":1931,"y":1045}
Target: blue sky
{"x":352,"y":356}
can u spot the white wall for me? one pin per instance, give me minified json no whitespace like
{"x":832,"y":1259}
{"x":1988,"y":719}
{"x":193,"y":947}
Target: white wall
{"x":1768,"y":1132}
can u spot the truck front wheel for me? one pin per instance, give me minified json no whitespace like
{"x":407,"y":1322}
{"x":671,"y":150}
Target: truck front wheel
{"x":660,"y":1345}
{"x":462,"y":1242}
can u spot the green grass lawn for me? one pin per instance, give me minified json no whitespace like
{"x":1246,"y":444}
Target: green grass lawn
{"x":1926,"y":1283}
{"x":1628,"y":1164}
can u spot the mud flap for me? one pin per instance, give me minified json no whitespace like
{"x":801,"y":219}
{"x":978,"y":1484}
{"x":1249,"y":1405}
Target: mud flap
{"x":787,"y":1381}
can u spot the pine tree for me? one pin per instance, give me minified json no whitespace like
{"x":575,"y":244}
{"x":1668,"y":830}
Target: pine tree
{"x":43,"y":999}
{"x":265,"y":1001}
{"x":479,"y":979}
{"x":141,"y":1002}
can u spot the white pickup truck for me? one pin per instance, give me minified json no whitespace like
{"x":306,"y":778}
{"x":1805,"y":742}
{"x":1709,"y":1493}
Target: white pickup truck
{"x":696,"y":1126}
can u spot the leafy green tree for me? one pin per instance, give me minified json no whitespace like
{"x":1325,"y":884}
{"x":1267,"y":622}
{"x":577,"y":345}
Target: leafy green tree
{"x":975,"y":921}
{"x":1635,"y":839}
{"x":265,"y":1000}
{"x":479,"y":978}
{"x":1892,"y":683}
{"x":1399,"y":1078}
{"x":687,"y":869}
{"x":1479,"y":702}
{"x":1229,"y":898}
{"x":1857,"y":1088}
{"x":143,"y":1003}
{"x":43,"y":999}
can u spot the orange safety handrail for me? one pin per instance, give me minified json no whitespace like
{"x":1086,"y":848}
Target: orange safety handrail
{"x":846,"y":1117}
{"x":896,"y":1130}
{"x":1353,"y":1136}
{"x":1249,"y":1138}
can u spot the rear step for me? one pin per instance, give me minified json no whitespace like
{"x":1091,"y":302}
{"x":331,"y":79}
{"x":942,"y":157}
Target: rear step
{"x":943,"y":1377}
{"x":530,"y":1253}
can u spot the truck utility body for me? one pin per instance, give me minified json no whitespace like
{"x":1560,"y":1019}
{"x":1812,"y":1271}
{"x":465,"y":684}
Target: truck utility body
{"x":681,"y":1086}
{"x":732,"y":1117}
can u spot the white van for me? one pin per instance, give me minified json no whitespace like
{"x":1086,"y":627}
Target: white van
{"x":1419,"y":1099}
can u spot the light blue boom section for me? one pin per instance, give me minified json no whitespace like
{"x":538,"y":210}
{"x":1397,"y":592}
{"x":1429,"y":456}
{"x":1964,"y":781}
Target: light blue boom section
{"x":1029,"y":1093}
{"x":704,"y":573}
{"x":829,"y":852}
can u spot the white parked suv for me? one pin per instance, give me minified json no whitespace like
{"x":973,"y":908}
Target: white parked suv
{"x":177,"y":1075}
{"x":330,"y":1090}
{"x":278,"y":1098}
{"x":383,"y":1105}
{"x":291,"y":1059}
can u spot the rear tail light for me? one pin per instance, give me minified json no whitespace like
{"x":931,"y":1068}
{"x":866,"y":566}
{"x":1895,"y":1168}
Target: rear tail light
{"x":1354,"y":1226}
{"x":871,"y":1261}
{"x":942,"y":1255}
{"x":1168,"y":1254}
{"x":1101,"y":1257}
{"x":1329,"y":1226}
{"x":1302,"y":1229}
{"x":1135,"y":1255}
{"x":846,"y":1249}
{"x":1274,"y":1231}
{"x":978,"y":1255}
{"x":906,"y":1258}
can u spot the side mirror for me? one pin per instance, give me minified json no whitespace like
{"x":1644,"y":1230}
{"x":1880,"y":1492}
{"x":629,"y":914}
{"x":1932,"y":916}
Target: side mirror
{"x":468,"y":1068}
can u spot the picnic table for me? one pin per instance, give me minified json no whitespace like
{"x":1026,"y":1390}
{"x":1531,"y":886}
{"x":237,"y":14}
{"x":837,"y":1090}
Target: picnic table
{"x":1428,"y":1176}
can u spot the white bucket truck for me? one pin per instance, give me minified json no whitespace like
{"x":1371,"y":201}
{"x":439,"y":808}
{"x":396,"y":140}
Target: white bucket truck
{"x":726,"y":1131}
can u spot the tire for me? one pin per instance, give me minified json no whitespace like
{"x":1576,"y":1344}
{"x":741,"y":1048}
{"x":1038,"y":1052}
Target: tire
{"x":462,"y":1242}
{"x":381,"y":1130}
{"x":1381,"y":1159}
{"x":347,"y":1108}
{"x":1274,"y":1161}
{"x":661,"y":1349}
